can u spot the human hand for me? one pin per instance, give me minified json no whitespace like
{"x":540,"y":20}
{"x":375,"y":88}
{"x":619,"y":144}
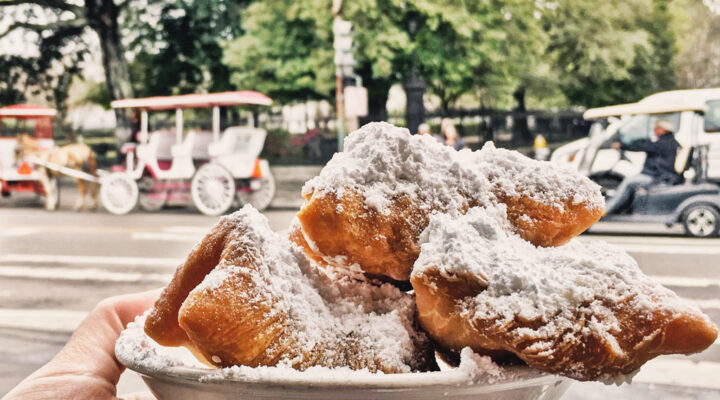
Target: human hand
{"x":615,"y":145}
{"x":86,"y":368}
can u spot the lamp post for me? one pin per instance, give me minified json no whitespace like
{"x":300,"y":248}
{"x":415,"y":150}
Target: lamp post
{"x":414,"y":85}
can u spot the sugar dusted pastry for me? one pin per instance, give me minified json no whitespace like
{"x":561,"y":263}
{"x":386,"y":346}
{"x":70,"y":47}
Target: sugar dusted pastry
{"x":247,"y":296}
{"x":370,"y":203}
{"x":584,"y":310}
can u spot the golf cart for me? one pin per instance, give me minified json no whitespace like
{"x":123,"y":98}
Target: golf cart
{"x":694,"y":202}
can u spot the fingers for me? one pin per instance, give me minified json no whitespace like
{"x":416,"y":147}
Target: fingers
{"x":87,"y":363}
{"x":127,"y":307}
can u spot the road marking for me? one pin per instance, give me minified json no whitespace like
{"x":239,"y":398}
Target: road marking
{"x":100,"y":260}
{"x":199,"y":230}
{"x":654,"y":240}
{"x":685,"y":281}
{"x":680,"y":372}
{"x":166,"y":236}
{"x":668,"y":249}
{"x":704,"y":304}
{"x":80,"y":274}
{"x":41,"y":320}
{"x":11,"y":232}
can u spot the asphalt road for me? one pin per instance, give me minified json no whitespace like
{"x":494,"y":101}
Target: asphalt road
{"x":54,"y":267}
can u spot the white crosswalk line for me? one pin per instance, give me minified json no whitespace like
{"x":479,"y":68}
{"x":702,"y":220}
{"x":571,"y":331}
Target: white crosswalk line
{"x":680,"y":372}
{"x":41,"y":320}
{"x":80,"y":274}
{"x":670,"y":249}
{"x":653,"y":240}
{"x":99,"y":260}
{"x":166,"y":236}
{"x":704,"y":304}
{"x":198,"y":230}
{"x":11,"y":232}
{"x":685,"y":281}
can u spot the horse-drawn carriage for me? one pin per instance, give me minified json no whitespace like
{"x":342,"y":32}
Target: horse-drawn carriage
{"x":17,"y":175}
{"x":213,"y":169}
{"x":210,"y":169}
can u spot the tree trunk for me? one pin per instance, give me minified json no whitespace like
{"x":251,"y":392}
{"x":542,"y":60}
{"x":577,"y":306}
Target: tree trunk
{"x":103,"y":18}
{"x":521,"y":131}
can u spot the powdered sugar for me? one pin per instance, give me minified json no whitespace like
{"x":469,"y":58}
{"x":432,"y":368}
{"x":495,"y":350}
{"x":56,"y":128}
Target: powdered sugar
{"x":134,"y":345}
{"x":549,"y":285}
{"x":479,"y":367}
{"x":383,"y":162}
{"x":331,"y":312}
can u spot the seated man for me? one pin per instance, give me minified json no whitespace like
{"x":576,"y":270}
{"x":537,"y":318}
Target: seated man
{"x":659,"y":164}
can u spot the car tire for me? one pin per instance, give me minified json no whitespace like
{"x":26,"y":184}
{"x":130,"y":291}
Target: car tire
{"x":701,"y":220}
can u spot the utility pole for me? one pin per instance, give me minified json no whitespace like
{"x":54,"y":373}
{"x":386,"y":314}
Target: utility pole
{"x":344,"y":64}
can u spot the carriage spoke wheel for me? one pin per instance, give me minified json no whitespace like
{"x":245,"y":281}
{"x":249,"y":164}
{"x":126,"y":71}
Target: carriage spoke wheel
{"x":119,"y":193}
{"x":261,"y":195}
{"x":152,"y":198}
{"x":702,"y":221}
{"x":212,"y":189}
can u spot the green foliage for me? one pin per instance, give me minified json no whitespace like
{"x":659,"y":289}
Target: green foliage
{"x":458,"y":47}
{"x":286,"y":51}
{"x":182,"y":54}
{"x":613,"y":51}
{"x":279,"y":144}
{"x":697,"y":64}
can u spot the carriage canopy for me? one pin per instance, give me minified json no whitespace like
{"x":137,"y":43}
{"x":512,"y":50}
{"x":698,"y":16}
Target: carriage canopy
{"x":28,"y":118}
{"x":195,"y":100}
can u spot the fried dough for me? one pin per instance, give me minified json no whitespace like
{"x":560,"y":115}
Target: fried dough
{"x":584,"y":310}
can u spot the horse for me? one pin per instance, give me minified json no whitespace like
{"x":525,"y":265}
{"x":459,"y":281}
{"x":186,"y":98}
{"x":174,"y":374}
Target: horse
{"x":77,"y":156}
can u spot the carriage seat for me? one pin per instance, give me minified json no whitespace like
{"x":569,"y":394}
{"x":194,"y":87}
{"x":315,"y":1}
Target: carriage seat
{"x":238,"y":149}
{"x":178,"y":165}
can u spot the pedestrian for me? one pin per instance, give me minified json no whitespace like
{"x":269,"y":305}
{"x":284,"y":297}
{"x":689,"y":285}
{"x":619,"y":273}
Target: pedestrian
{"x":452,"y":138}
{"x":86,"y":367}
{"x":424,"y":129}
{"x":659,"y":164}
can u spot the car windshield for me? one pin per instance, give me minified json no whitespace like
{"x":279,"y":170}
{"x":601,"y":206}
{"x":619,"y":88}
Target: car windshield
{"x":640,"y":126}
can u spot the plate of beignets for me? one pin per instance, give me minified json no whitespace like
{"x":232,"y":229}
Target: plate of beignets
{"x":411,"y":271}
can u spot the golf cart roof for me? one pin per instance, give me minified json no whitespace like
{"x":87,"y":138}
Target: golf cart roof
{"x":195,"y":100}
{"x":659,"y":103}
{"x":27,"y":111}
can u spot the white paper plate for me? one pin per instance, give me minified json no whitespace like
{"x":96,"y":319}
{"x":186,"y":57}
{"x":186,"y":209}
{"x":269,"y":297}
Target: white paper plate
{"x":190,"y":382}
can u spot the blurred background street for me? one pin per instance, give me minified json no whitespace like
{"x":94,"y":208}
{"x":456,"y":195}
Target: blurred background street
{"x":55,"y":266}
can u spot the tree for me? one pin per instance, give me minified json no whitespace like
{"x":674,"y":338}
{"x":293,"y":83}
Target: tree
{"x":182,"y":52}
{"x":458,"y":47}
{"x":285,"y":51}
{"x":62,"y":28}
{"x":611,"y":52}
{"x":698,"y":31}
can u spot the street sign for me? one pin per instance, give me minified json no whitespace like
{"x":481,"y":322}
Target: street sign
{"x":356,"y":101}
{"x":343,"y":43}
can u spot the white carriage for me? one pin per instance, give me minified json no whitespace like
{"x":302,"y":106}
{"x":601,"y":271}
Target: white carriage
{"x":211,"y":169}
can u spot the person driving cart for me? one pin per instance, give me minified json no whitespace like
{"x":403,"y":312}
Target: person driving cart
{"x":659,"y":164}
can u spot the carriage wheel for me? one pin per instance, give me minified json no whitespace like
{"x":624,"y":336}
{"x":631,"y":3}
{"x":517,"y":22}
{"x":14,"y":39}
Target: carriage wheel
{"x":261,"y":195}
{"x":119,"y":193}
{"x":212,"y":189}
{"x":151,"y":198}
